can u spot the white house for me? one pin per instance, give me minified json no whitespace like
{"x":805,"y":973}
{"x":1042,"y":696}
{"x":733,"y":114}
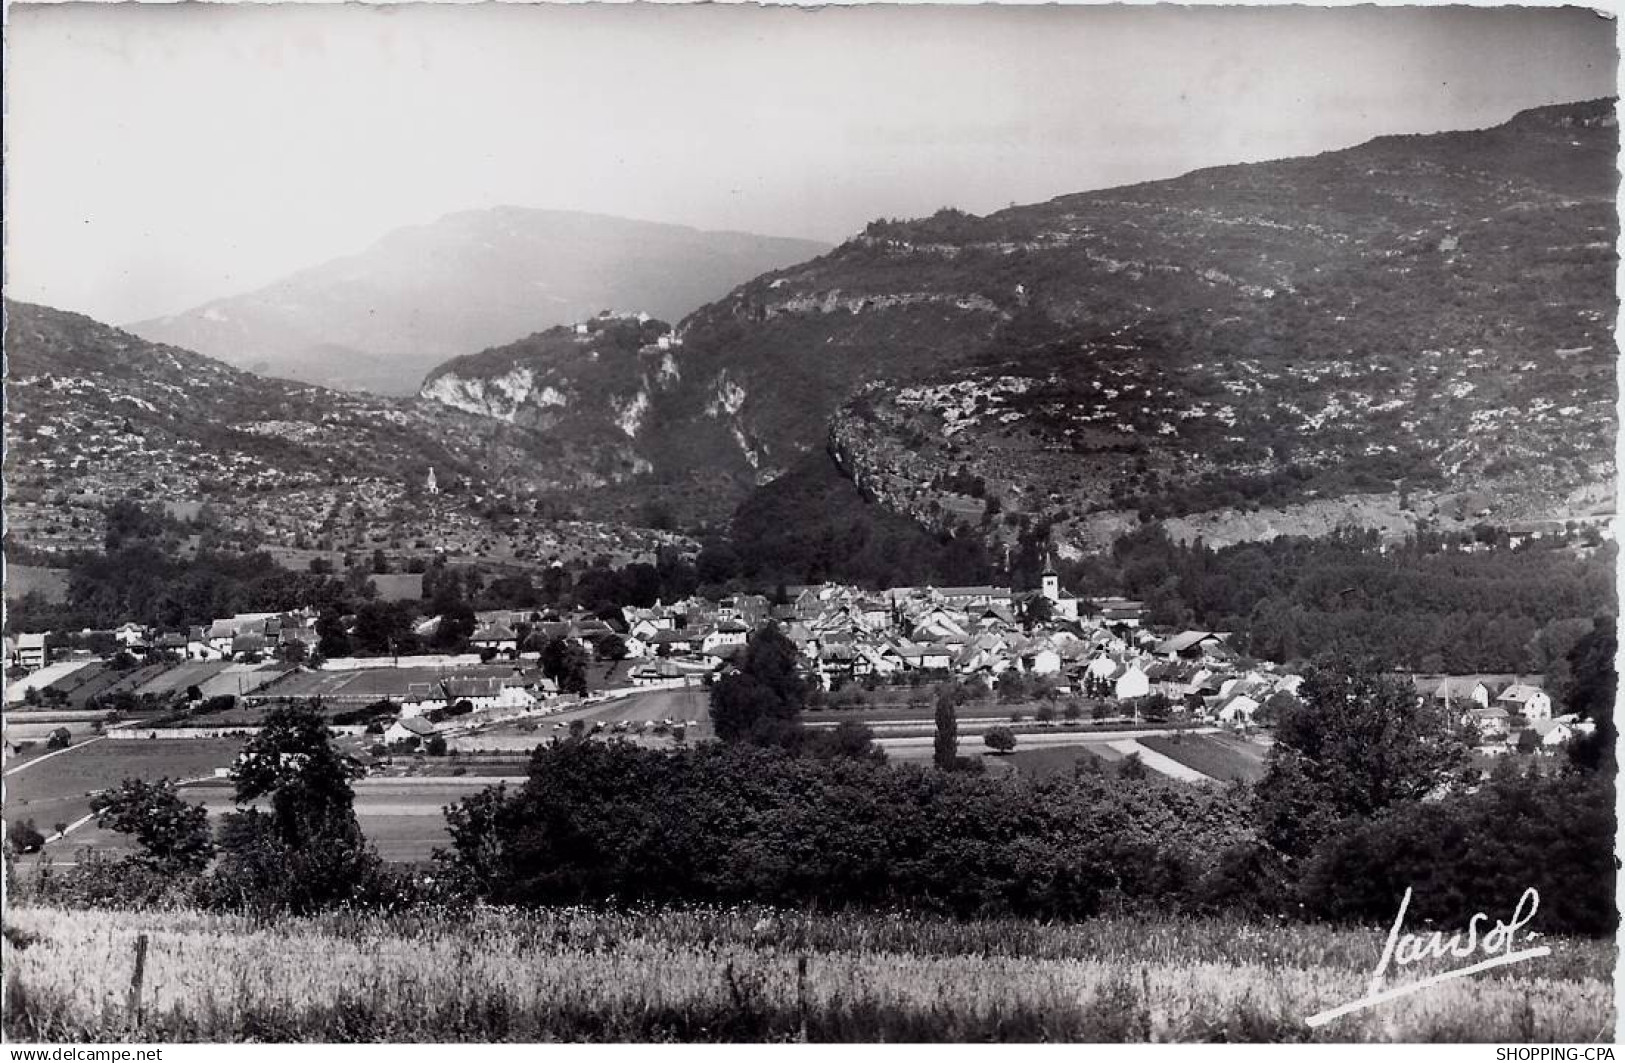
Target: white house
{"x":1132,"y":683}
{"x":1237,"y":709}
{"x":1102,"y":667}
{"x":1553,"y":735}
{"x":926,"y":657}
{"x":728,"y":633}
{"x":1528,"y":701}
{"x":129,"y":635}
{"x":1460,"y":691}
{"x":31,"y":650}
{"x":496,"y":637}
{"x":1043,"y":660}
{"x":409,"y":727}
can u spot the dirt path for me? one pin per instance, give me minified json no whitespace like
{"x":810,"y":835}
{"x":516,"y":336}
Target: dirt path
{"x":1159,"y":763}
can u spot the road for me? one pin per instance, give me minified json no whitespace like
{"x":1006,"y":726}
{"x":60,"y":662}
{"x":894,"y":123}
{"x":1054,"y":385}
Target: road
{"x":1158,"y":762}
{"x":53,"y":753}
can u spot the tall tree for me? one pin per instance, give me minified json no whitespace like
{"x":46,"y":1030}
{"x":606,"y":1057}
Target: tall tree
{"x":947,"y":738}
{"x":308,"y":852}
{"x":292,"y":761}
{"x":1590,"y":694}
{"x":760,"y":701}
{"x":1357,"y":743}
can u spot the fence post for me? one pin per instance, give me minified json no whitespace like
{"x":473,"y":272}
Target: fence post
{"x":134,"y":1006}
{"x":801,"y":994}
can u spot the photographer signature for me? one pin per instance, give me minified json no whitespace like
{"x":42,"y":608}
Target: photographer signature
{"x":1496,"y":945}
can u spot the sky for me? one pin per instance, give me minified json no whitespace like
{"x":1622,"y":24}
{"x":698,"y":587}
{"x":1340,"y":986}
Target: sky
{"x":158,"y":156}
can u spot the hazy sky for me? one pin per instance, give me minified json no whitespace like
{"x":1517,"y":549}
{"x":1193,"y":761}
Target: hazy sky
{"x":160,"y":156}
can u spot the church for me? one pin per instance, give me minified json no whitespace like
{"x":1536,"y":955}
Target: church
{"x":1063,"y":603}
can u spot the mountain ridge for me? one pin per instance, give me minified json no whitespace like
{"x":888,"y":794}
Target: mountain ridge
{"x":380,"y":318}
{"x":95,"y":414}
{"x":1408,"y":313}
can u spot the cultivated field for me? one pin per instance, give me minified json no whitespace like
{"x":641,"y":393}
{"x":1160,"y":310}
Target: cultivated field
{"x":58,"y":790}
{"x":1217,"y":756}
{"x":403,"y":818}
{"x":749,"y":975}
{"x":1045,"y":761}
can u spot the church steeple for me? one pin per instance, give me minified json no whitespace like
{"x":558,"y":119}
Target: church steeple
{"x":1049,"y":581}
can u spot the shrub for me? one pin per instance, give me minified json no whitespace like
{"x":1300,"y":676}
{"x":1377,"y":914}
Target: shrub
{"x":999,"y":739}
{"x":25,"y":837}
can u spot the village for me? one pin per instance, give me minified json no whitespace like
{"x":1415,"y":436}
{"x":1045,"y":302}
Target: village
{"x":1046,"y":658}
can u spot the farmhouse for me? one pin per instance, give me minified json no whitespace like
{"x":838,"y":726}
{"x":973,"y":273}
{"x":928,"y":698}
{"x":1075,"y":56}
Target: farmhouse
{"x":1553,"y":734}
{"x":1191,"y":645}
{"x":1531,"y":702}
{"x":498,"y":638}
{"x":1460,"y":690}
{"x":408,"y":727}
{"x":31,"y":650}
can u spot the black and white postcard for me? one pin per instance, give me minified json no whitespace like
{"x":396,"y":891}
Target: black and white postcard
{"x":672,"y":523}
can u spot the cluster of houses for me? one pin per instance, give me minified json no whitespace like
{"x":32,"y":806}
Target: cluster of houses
{"x":243,"y":637}
{"x":1098,"y":648}
{"x":1510,"y":716}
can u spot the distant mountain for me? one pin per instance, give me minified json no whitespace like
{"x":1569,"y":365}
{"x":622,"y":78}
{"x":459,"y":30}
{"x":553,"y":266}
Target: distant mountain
{"x":94,"y":414}
{"x":379,"y":320}
{"x":1418,"y":326}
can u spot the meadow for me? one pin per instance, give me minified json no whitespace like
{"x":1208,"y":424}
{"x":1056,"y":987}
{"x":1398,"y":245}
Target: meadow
{"x":59,"y":790}
{"x":752,"y":974}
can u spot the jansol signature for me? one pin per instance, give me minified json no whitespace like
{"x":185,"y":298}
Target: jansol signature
{"x":1496,"y":945}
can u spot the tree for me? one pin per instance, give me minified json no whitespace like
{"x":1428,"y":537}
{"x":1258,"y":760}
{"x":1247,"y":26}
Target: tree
{"x":292,"y":761}
{"x":173,"y":834}
{"x":1154,"y":708}
{"x":435,"y":746}
{"x":308,"y":852}
{"x":333,"y":638}
{"x":1590,"y":695}
{"x":611,"y":648}
{"x":1012,"y":686}
{"x":1359,"y":743}
{"x":849,"y":739}
{"x":1132,"y":767}
{"x":25,"y":837}
{"x":1000,"y":740}
{"x":760,"y":701}
{"x":947,"y":737}
{"x":1045,"y":713}
{"x":61,"y":738}
{"x":194,"y":693}
{"x":1037,"y":610}
{"x":566,"y":664}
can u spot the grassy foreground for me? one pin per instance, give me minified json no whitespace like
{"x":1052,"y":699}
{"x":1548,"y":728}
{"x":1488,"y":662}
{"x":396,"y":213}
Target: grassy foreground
{"x":713,"y":974}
